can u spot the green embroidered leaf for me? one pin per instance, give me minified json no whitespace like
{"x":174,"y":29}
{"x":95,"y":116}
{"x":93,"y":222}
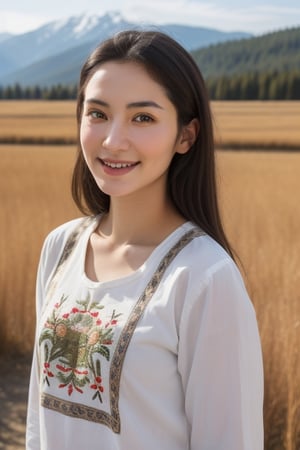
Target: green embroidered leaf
{"x":56,"y":353}
{"x":114,"y":315}
{"x":46,"y":352}
{"x":81,"y":382}
{"x":95,"y":305}
{"x":98,"y":368}
{"x":46,"y":334}
{"x":108,"y":335}
{"x":104,"y":351}
{"x":85,"y":302}
{"x":65,"y":378}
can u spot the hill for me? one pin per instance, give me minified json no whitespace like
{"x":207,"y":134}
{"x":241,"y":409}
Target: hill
{"x":278,"y":51}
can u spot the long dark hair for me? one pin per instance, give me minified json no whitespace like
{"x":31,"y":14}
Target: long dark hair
{"x":191,"y":176}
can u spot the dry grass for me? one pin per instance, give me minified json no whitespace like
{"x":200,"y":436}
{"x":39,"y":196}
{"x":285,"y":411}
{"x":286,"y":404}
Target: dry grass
{"x":262,"y":215}
{"x":40,"y":121}
{"x":259,"y":197}
{"x":259,"y":124}
{"x":237,"y":124}
{"x":35,"y":197}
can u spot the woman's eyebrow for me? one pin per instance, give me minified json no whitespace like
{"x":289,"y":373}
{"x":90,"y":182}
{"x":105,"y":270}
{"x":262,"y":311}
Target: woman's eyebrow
{"x":140,"y":104}
{"x":97,"y":101}
{"x":144,"y":104}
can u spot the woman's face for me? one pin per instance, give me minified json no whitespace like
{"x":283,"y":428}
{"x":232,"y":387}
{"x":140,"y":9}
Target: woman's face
{"x":128,"y":130}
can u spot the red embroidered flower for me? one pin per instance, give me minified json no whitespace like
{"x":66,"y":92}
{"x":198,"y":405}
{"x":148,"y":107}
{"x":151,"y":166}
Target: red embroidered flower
{"x":47,"y":371}
{"x":97,"y":385}
{"x":71,"y":388}
{"x":81,"y":372}
{"x":63,"y":369}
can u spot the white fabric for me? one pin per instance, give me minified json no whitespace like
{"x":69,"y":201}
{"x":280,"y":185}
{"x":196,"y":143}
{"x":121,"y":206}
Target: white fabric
{"x":192,"y":376}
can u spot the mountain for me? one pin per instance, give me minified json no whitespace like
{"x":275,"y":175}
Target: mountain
{"x":56,"y":37}
{"x":5,"y":36}
{"x":54,"y":52}
{"x":278,"y":51}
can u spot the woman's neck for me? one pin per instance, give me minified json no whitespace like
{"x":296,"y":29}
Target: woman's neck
{"x":140,"y":221}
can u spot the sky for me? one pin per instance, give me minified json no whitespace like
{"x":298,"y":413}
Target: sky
{"x":256,"y":16}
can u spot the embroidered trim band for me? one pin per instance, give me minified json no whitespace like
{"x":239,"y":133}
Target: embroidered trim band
{"x":92,"y":414}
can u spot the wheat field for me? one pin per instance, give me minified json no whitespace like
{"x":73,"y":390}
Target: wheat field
{"x":259,"y":200}
{"x":261,"y":212}
{"x":237,"y":124}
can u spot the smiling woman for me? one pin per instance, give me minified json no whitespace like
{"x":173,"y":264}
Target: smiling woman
{"x":137,"y":136}
{"x":143,"y":319}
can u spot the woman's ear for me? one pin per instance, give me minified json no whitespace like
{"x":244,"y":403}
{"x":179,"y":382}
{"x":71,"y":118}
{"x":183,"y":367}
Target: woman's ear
{"x":187,"y":136}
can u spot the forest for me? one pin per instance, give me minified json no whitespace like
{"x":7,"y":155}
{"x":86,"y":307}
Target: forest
{"x":248,"y":86}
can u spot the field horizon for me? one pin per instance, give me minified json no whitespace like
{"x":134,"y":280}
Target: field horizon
{"x":239,"y":125}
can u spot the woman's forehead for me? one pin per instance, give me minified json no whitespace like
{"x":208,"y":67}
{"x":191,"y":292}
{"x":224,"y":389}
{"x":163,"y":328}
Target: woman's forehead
{"x":125,"y":79}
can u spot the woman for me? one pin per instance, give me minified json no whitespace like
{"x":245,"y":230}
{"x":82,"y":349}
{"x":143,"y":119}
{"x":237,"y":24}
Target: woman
{"x":146,"y":337}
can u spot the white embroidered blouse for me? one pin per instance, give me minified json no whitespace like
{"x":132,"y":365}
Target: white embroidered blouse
{"x":167,"y":357}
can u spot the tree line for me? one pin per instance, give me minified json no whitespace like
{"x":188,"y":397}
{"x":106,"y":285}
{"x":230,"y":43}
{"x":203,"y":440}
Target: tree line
{"x":250,"y":86}
{"x":56,"y":92}
{"x":255,"y":86}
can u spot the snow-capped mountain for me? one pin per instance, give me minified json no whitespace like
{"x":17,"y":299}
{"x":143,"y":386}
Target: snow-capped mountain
{"x":56,"y":37}
{"x":27,"y":58}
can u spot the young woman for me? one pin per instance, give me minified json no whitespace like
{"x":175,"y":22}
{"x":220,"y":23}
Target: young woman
{"x":146,"y":338}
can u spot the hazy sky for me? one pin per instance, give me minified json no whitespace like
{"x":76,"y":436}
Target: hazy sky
{"x":256,"y":16}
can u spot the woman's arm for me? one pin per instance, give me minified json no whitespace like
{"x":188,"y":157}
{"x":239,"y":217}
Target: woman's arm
{"x":220,"y":362}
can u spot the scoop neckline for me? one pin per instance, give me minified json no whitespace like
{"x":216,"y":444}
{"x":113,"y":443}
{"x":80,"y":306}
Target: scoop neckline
{"x":158,"y":251}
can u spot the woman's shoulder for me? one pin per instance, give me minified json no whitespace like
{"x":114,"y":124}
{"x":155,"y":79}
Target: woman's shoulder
{"x":210,"y":272}
{"x":63,"y":231}
{"x":58,"y":238}
{"x":206,"y":261}
{"x":205,"y":252}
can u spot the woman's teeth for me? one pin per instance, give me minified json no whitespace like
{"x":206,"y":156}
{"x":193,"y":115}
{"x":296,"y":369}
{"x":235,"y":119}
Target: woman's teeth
{"x":117,"y":165}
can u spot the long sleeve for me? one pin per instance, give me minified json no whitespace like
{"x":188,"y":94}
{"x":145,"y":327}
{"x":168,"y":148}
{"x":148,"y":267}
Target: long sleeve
{"x":50,"y":253}
{"x":220,"y":363}
{"x":32,"y":425}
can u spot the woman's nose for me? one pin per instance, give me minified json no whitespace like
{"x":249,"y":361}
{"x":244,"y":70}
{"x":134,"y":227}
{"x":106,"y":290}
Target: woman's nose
{"x":115,"y":137}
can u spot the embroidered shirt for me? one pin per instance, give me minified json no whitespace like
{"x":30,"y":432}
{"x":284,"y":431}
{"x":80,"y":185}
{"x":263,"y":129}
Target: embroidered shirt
{"x":167,"y":357}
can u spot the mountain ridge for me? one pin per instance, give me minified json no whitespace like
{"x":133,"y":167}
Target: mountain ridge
{"x":24,"y":56}
{"x":276,"y":51}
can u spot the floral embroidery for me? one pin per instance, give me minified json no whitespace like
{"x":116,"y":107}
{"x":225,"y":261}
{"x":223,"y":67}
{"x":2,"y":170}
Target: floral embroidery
{"x":74,"y":343}
{"x":87,"y":412}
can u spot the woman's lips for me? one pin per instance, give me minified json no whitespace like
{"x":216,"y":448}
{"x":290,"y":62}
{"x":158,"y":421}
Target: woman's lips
{"x":117,"y":167}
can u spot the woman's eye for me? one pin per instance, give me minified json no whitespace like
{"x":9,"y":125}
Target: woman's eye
{"x":143,"y":118}
{"x":97,"y":115}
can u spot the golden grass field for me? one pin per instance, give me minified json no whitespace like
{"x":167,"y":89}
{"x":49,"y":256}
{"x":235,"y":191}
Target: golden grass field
{"x":246,"y":124}
{"x":259,"y":195}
